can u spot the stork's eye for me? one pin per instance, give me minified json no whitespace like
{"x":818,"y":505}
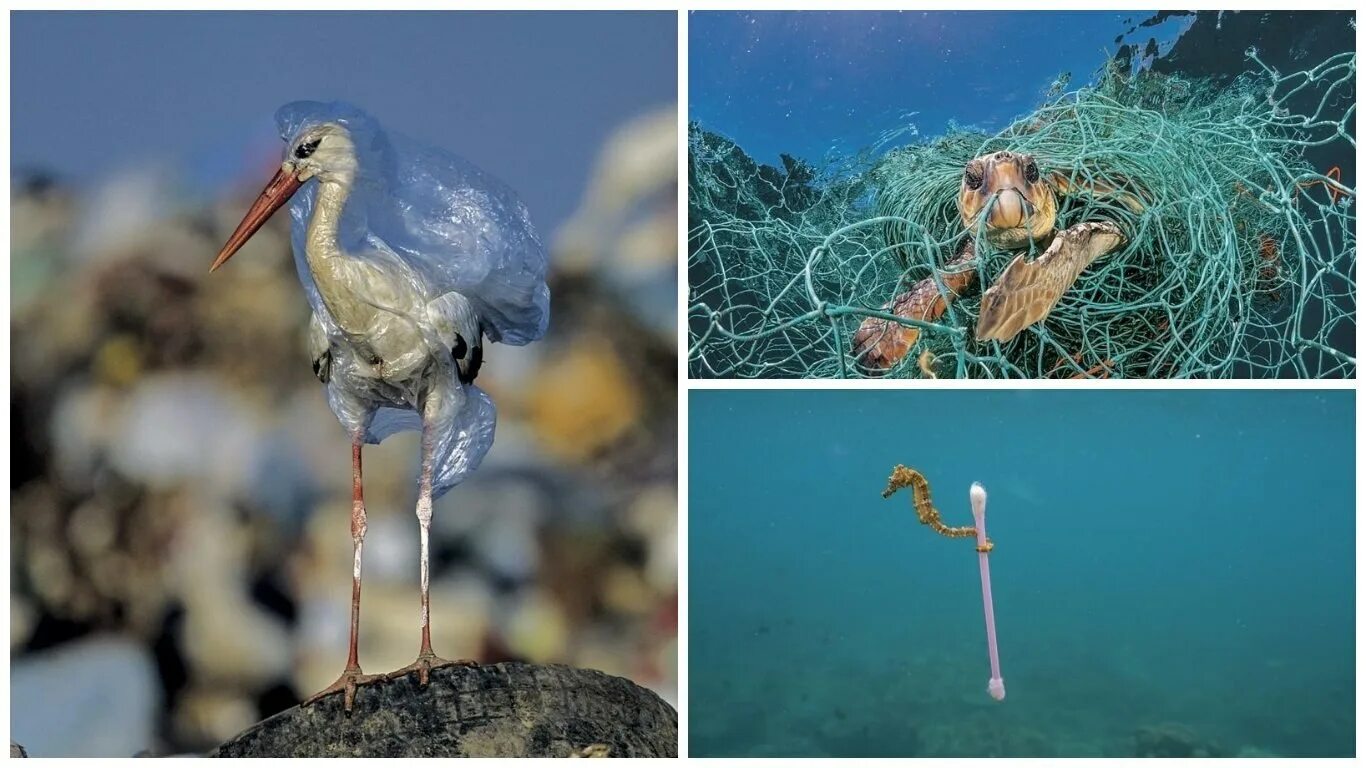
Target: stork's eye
{"x":306,"y":149}
{"x":972,"y":177}
{"x":1032,"y":172}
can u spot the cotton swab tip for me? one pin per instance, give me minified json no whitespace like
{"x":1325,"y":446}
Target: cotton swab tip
{"x":978,"y":495}
{"x":997,"y":688}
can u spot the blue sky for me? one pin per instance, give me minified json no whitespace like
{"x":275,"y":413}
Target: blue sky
{"x":529,"y":97}
{"x":802,"y":83}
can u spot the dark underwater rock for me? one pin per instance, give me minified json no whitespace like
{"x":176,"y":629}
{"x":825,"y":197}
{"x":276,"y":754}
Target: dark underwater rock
{"x":1172,"y":740}
{"x":749,"y":190}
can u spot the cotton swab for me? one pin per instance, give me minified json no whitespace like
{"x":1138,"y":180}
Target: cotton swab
{"x":995,"y":686}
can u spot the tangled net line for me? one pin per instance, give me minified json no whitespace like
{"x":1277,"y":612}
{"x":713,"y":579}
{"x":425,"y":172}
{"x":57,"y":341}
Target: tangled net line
{"x":1240,"y":265}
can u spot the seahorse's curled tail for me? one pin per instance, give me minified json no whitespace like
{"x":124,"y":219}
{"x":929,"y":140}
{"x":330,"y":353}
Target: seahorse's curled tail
{"x":905,"y":477}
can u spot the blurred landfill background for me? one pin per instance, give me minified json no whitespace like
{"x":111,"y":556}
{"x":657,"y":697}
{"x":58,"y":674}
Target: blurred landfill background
{"x":179,"y":533}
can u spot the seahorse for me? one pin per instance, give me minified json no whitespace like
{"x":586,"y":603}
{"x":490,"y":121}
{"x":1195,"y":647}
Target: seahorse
{"x":905,"y":477}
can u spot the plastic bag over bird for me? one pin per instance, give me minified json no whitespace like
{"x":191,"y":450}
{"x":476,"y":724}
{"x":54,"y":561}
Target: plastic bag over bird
{"x":447,"y":226}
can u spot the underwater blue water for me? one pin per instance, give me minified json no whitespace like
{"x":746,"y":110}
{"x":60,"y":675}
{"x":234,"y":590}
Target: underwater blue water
{"x":811,"y":82}
{"x":1173,"y":573}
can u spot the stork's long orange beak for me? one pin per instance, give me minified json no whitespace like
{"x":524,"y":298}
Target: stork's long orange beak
{"x":275,"y":195}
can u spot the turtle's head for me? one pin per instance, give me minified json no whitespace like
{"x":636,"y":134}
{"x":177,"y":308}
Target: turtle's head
{"x":1005,"y":192}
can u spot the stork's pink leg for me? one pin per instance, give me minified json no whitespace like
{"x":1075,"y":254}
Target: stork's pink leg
{"x":427,"y":660}
{"x":352,"y":675}
{"x":358,"y":529}
{"x":424,"y":519}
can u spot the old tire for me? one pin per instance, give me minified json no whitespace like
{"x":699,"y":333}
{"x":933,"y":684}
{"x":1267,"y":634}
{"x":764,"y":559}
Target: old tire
{"x":499,"y":710}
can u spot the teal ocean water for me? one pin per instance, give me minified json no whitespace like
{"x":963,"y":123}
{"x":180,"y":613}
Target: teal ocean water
{"x":1174,"y":573}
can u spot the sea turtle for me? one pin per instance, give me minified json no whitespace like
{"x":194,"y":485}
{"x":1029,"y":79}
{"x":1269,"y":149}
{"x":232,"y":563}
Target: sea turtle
{"x":1016,"y":207}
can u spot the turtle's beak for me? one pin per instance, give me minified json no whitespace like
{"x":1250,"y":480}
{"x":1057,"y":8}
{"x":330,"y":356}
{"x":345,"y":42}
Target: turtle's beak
{"x":275,"y":195}
{"x":1010,"y":210}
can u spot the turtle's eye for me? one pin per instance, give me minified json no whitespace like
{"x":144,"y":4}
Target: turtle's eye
{"x":972,"y":177}
{"x":1032,"y":172}
{"x":304,"y":150}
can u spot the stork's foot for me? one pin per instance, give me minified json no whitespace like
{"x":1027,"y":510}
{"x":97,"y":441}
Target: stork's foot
{"x":350,"y":679}
{"x":426,"y":662}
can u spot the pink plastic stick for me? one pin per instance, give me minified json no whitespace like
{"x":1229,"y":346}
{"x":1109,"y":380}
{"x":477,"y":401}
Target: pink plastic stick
{"x":995,"y":686}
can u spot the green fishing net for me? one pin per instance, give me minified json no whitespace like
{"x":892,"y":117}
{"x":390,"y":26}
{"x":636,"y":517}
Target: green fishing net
{"x":1241,"y":263}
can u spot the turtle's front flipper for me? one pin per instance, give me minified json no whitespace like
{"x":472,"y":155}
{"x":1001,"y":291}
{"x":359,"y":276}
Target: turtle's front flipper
{"x":880,"y":344}
{"x":1026,"y":291}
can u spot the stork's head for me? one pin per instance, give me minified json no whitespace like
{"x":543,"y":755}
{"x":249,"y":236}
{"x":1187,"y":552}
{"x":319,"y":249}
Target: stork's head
{"x":323,"y":150}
